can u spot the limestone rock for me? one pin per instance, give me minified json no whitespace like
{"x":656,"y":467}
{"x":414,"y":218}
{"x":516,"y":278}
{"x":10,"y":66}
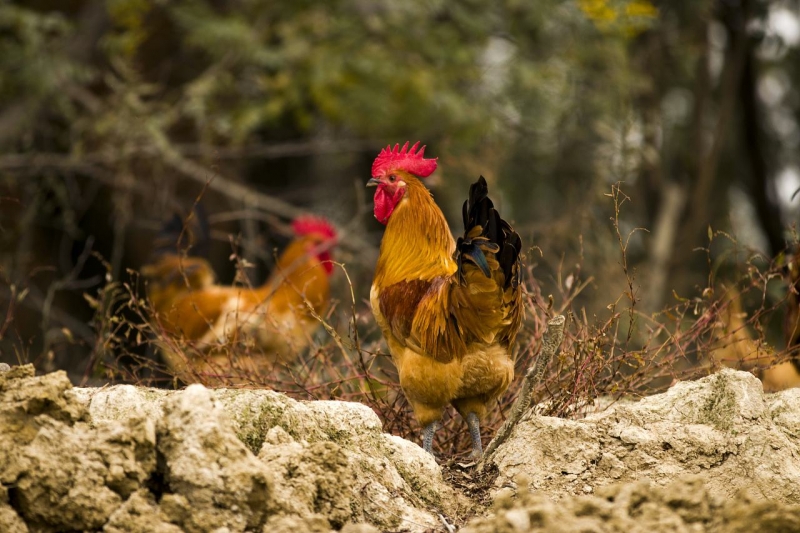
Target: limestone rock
{"x":359,"y":528}
{"x":328,"y":458}
{"x":722,"y":426}
{"x":66,"y":475}
{"x":26,"y":404}
{"x":684,"y":505}
{"x":109,"y":404}
{"x":379,"y":480}
{"x":295,"y":524}
{"x":127,"y":459}
{"x":10,"y":521}
{"x":140,"y":514}
{"x":75,"y":477}
{"x":784,"y":408}
{"x":214,"y":481}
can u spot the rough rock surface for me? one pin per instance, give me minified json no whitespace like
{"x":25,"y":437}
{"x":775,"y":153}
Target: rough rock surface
{"x":125,"y":459}
{"x":722,"y":427}
{"x":684,"y":505}
{"x":60,"y":473}
{"x":128,"y":459}
{"x":212,"y":480}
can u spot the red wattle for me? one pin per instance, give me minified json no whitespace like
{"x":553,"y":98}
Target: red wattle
{"x":325,"y":259}
{"x":385,"y":203}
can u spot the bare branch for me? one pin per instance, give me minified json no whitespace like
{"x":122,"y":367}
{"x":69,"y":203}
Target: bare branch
{"x":94,"y":166}
{"x":277,"y":150}
{"x":551,"y":340}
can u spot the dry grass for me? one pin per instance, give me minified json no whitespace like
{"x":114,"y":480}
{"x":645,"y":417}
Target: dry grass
{"x":624,"y":353}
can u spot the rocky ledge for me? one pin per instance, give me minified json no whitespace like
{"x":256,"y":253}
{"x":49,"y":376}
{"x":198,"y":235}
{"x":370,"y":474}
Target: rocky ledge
{"x":712,"y":455}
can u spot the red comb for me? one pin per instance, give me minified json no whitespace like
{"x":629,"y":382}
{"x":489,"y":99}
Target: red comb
{"x":308,"y":224}
{"x":403,"y":159}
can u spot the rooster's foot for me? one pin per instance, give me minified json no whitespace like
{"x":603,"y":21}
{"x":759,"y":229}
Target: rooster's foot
{"x":427,"y":436}
{"x":475,"y":432}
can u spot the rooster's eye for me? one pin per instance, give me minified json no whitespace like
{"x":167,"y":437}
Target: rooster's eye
{"x":392,"y":178}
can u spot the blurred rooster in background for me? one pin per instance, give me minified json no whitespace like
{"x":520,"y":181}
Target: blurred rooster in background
{"x":790,"y":375}
{"x":449,"y":311}
{"x":736,"y":347}
{"x":188,"y":307}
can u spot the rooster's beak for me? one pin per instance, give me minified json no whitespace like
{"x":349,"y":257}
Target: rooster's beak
{"x":373,"y":182}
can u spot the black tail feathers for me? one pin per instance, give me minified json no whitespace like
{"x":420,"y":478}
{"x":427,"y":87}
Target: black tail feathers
{"x":496,"y":236}
{"x":179,"y":234}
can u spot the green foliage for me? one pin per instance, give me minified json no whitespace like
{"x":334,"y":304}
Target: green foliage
{"x":373,"y":69}
{"x":470,"y":72}
{"x":35,"y":62}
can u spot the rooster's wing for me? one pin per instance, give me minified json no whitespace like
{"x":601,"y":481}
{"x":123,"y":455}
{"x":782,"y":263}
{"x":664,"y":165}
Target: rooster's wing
{"x":480,"y":303}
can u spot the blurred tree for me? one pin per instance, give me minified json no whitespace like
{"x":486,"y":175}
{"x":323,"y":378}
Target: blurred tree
{"x":115,"y":112}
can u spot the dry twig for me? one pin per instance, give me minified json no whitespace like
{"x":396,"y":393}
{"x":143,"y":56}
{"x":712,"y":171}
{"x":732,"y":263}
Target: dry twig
{"x":550,"y":342}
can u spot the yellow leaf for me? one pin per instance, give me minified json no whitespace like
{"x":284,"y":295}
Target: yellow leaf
{"x":641,"y":8}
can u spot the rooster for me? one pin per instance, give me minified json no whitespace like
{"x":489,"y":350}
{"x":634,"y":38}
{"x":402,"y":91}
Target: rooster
{"x":449,"y":310}
{"x":277,"y":317}
{"x":791,"y":326}
{"x":735,"y":347}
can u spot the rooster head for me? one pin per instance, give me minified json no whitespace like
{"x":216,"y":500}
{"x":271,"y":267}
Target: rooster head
{"x":320,"y":236}
{"x":388,"y":172}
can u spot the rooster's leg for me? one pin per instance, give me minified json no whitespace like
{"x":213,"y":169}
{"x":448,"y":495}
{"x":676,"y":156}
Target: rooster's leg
{"x":427,"y":436}
{"x":475,"y":432}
